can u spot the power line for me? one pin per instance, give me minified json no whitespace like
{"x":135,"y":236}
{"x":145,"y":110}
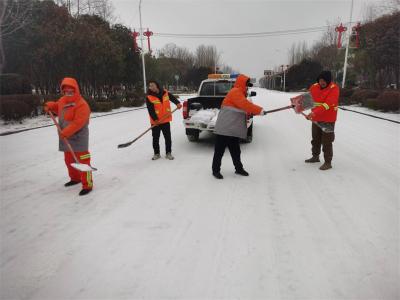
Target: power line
{"x":245,"y":34}
{"x":248,"y":34}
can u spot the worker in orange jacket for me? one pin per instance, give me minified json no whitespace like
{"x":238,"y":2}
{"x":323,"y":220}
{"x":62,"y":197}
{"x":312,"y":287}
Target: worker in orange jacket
{"x":231,"y":125}
{"x":326,"y":100}
{"x":160,"y":114}
{"x":73,"y":116}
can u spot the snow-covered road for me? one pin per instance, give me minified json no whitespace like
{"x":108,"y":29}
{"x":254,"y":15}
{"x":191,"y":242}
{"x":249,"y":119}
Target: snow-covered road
{"x":169,"y":230}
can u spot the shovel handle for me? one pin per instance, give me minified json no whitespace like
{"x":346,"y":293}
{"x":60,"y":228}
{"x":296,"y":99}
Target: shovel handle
{"x":64,"y":139}
{"x":278,"y":109}
{"x":147,"y":130}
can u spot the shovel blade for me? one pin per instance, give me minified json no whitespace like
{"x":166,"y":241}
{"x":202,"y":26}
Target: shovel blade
{"x":302,"y":102}
{"x":124,"y":145}
{"x":83,"y":167}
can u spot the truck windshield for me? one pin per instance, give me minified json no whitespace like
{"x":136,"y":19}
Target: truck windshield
{"x":216,"y":88}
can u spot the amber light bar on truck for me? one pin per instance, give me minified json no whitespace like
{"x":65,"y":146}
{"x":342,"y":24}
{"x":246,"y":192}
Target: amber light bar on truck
{"x":222,"y":76}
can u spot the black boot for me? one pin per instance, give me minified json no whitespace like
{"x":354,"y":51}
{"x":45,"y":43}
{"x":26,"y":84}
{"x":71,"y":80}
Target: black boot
{"x":241,"y":172}
{"x":69,"y":183}
{"x":84,"y":192}
{"x":218,"y":175}
{"x":326,"y":166}
{"x":313,"y":159}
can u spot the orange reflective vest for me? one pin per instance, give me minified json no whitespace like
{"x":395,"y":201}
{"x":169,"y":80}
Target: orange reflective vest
{"x":163,"y":109}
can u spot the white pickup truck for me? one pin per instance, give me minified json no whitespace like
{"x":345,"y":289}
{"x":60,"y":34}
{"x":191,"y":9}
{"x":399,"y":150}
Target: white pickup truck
{"x":200,"y":113}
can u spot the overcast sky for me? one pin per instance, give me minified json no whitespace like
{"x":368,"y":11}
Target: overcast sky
{"x":247,"y":55}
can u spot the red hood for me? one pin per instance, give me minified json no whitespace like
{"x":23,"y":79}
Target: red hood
{"x":240,"y":83}
{"x":68,"y":81}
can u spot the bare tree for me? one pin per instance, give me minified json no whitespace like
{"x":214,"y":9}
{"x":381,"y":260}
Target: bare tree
{"x":207,"y":56}
{"x":374,"y":10}
{"x":226,"y":69}
{"x":292,"y":54}
{"x":102,"y":8}
{"x":298,"y":52}
{"x":14,"y":15}
{"x":105,"y":9}
{"x":171,"y":50}
{"x":330,"y":35}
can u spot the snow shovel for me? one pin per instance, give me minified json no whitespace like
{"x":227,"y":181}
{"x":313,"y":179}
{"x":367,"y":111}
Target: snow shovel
{"x":147,"y":130}
{"x":325,"y":127}
{"x":77,"y":165}
{"x":304,"y":102}
{"x":299,"y":104}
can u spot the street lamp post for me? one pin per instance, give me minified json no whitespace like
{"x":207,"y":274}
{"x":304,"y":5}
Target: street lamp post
{"x":284,"y":68}
{"x":141,"y":44}
{"x":177,"y":81}
{"x":347,"y":48}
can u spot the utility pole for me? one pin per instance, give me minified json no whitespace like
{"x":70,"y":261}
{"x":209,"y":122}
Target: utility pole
{"x":284,"y":68}
{"x":347,"y":47}
{"x":284,"y":79}
{"x":141,"y":44}
{"x":177,"y":81}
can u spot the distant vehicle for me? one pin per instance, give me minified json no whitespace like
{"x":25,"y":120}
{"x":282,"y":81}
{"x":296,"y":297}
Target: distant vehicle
{"x":200,"y":113}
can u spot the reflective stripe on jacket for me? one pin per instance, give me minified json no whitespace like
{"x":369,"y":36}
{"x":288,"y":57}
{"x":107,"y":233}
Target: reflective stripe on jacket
{"x":326,"y":102}
{"x":231,"y":119}
{"x":73,"y":115}
{"x":162,"y":108}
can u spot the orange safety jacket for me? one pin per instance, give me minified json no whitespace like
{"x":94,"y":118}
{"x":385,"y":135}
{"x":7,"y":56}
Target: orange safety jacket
{"x":326,"y":102}
{"x":73,"y":115}
{"x":162,"y":109}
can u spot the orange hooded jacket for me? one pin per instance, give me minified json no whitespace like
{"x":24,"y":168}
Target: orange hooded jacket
{"x":237,"y":97}
{"x":231,"y":119}
{"x":74,"y":110}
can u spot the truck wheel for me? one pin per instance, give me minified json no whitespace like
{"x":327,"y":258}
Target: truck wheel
{"x":192,"y":135}
{"x":249,"y":137}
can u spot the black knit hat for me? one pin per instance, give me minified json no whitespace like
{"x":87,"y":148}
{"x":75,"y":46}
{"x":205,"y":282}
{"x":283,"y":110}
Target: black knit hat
{"x":155,"y":82}
{"x":325,"y":75}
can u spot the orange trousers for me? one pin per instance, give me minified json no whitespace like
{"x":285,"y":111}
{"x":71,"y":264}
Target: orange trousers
{"x":74,"y":174}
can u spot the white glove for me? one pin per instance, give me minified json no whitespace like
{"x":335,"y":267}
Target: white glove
{"x":263,"y":113}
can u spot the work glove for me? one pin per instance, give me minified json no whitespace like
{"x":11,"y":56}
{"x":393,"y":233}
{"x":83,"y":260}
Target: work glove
{"x":310,"y":116}
{"x":179,"y":106}
{"x":62,"y":135}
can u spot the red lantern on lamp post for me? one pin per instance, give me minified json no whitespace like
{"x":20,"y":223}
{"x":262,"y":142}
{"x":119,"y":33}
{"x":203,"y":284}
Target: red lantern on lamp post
{"x":148,"y":34}
{"x":135,"y":36}
{"x":340,"y":29}
{"x":356,"y":30}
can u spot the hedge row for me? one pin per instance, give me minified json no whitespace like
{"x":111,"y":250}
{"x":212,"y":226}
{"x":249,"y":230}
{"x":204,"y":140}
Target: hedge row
{"x":388,"y":100}
{"x":17,"y":107}
{"x":12,"y":84}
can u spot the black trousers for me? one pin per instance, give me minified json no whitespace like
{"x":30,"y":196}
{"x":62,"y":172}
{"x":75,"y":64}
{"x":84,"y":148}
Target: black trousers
{"x":166,"y":130}
{"x":233,"y":145}
{"x":325,"y":139}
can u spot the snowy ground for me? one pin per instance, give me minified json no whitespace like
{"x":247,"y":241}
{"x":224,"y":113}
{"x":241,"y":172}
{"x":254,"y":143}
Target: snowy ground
{"x":169,"y":230}
{"x":44,"y":120}
{"x":388,"y":115}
